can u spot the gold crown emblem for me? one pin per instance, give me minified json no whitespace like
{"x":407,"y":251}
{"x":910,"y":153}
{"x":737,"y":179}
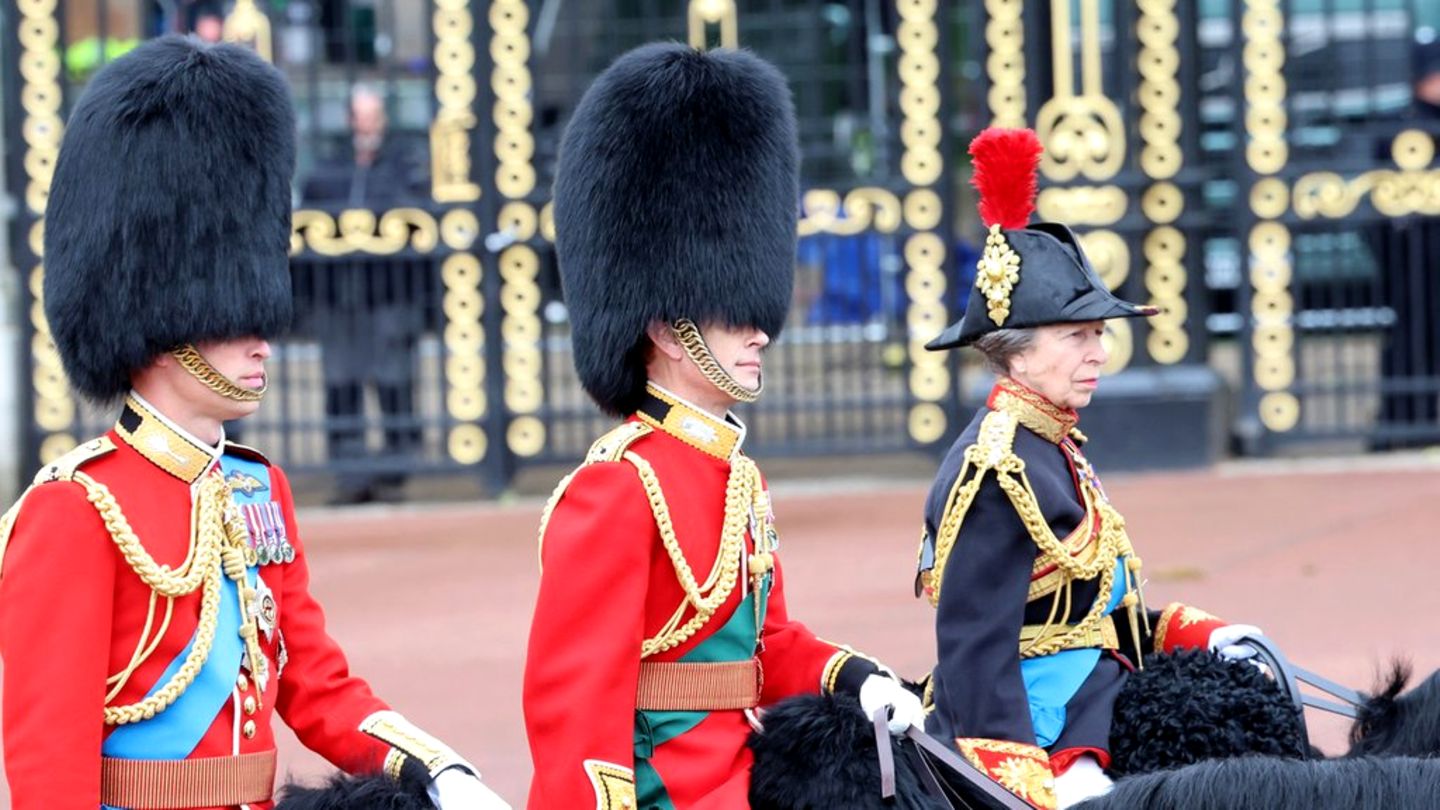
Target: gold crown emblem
{"x":996,"y":274}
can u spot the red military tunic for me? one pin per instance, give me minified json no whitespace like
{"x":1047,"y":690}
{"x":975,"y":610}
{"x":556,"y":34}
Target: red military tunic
{"x":610,"y":588}
{"x":73,"y":613}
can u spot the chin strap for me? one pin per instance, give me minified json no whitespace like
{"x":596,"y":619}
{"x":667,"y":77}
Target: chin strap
{"x":699,"y":352}
{"x":192,"y":361}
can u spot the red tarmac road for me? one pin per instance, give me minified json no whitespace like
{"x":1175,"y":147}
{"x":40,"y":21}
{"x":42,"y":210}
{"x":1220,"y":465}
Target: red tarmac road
{"x":433,"y":603}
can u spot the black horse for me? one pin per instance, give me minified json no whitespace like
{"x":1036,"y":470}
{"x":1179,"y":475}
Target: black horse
{"x":1191,"y":731}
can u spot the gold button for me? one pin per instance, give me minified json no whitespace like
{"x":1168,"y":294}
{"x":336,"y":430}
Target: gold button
{"x":250,"y":704}
{"x":248,"y":729}
{"x":242,"y":683}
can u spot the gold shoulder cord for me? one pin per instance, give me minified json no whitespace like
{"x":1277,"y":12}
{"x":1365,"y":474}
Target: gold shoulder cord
{"x":994,"y":451}
{"x":217,"y":548}
{"x":744,"y":495}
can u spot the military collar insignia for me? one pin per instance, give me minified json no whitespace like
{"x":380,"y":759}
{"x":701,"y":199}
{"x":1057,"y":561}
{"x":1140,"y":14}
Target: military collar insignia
{"x":243,"y":482}
{"x":1032,"y":410}
{"x":691,"y":424}
{"x":162,"y":442}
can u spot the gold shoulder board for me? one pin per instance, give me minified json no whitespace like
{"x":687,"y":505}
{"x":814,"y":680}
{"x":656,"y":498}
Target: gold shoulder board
{"x":63,"y":468}
{"x":612,"y":446}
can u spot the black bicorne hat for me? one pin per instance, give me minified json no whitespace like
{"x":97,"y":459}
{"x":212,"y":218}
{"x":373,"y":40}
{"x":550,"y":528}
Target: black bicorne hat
{"x":168,"y":221}
{"x":675,"y":198}
{"x":1029,"y":274}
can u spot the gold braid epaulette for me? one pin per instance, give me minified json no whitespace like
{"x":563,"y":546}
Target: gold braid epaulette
{"x":61,"y":469}
{"x":610,"y":447}
{"x":994,"y":451}
{"x":744,"y":495}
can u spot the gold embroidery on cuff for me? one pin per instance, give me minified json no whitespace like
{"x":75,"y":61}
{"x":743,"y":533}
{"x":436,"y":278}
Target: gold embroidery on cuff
{"x":394,"y":764}
{"x":614,"y":785}
{"x":391,"y":728}
{"x":831,"y":673}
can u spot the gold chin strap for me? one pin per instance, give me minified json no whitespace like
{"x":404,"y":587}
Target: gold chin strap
{"x":694,"y":343}
{"x":195,"y":363}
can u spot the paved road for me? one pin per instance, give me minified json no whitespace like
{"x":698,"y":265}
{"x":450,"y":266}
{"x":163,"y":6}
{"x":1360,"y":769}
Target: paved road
{"x":1339,"y":565}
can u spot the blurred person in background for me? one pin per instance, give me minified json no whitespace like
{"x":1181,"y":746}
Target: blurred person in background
{"x":368,"y":315}
{"x":155,"y":609}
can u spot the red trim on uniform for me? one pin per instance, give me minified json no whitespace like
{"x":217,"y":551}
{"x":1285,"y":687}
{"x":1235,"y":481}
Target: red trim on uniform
{"x":1062,"y":761}
{"x":1182,"y":627}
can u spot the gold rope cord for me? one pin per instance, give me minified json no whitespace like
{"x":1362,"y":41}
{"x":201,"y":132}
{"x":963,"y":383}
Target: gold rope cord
{"x":215,"y":546}
{"x":694,"y":344}
{"x":744,"y":496}
{"x":195,"y":363}
{"x":994,"y":450}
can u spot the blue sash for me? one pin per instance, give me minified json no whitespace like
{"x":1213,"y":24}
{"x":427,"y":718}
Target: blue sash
{"x":1051,"y":680}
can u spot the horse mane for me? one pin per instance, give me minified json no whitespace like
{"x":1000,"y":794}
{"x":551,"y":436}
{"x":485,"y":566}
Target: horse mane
{"x":1274,"y":783}
{"x":1394,"y":724}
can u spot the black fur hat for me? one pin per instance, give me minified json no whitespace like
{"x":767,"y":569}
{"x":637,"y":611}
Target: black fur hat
{"x":675,"y":197}
{"x":169,"y":214}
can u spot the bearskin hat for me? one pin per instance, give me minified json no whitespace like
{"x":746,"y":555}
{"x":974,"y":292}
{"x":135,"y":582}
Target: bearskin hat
{"x":169,"y":214}
{"x":1030,"y":274}
{"x":676,"y":196}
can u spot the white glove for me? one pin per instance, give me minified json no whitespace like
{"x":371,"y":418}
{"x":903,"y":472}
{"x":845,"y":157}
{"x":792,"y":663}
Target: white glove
{"x":879,"y":692}
{"x":458,"y":789}
{"x":1083,"y":781}
{"x":1224,"y":641}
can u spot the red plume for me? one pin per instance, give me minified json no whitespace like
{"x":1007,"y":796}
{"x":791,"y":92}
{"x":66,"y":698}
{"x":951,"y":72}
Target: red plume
{"x":1006,"y":161}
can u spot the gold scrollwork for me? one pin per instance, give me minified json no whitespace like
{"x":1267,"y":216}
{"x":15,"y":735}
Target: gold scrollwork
{"x":1165,"y":278}
{"x":360,"y":230}
{"x":863,"y":209}
{"x":1082,"y":131}
{"x":1005,"y":64}
{"x":467,"y":444}
{"x":1414,"y":189}
{"x":1280,"y":411}
{"x":247,"y":25}
{"x":1162,"y":203}
{"x":1161,"y":158}
{"x":56,"y":445}
{"x":1119,"y":342}
{"x":1083,"y":205}
{"x":38,"y":35}
{"x":464,"y":337}
{"x":1109,"y":254}
{"x":721,"y":13}
{"x":450,"y":159}
{"x":450,"y":167}
{"x":922,"y":165}
{"x":526,"y":436}
{"x":518,"y":264}
{"x":459,"y":228}
{"x":1266,"y":152}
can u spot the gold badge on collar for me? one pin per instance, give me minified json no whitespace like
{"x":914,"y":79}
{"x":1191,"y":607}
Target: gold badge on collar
{"x":243,"y":482}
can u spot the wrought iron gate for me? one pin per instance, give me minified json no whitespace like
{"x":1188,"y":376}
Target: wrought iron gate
{"x":454,"y":289}
{"x":1282,"y":211}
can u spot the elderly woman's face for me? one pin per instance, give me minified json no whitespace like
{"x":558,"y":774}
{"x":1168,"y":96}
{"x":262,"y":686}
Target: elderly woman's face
{"x":1063,"y":363}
